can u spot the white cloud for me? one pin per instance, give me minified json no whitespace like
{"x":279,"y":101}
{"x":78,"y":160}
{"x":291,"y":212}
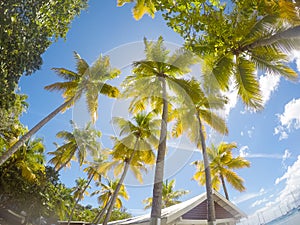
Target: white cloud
{"x":250,"y":132}
{"x":287,"y":154}
{"x":258,"y":202}
{"x":296,"y":58}
{"x":138,"y":212}
{"x":289,"y":119}
{"x":287,"y":198}
{"x":244,"y":151}
{"x":232,"y":95}
{"x":268,"y":84}
{"x":248,"y":196}
{"x":292,"y":175}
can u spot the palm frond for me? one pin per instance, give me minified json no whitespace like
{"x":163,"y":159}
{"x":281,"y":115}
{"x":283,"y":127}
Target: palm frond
{"x":61,"y":86}
{"x":137,"y":173}
{"x":236,"y":181}
{"x":182,"y":59}
{"x":219,"y":70}
{"x":91,"y":98}
{"x":66,"y":74}
{"x":108,"y":90}
{"x":82,"y":66}
{"x":156,"y":51}
{"x":247,"y":85}
{"x":238,"y":163}
{"x":214,"y":121}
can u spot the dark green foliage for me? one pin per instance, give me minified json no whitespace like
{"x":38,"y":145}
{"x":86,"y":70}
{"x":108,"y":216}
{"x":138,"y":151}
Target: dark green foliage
{"x":10,"y":126}
{"x":27,"y":29}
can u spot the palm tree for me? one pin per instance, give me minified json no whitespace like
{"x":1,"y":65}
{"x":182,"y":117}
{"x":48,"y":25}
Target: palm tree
{"x":222,"y":164}
{"x":93,"y":173}
{"x":191,"y":121}
{"x":255,"y":42}
{"x":77,"y":142}
{"x":170,"y":196}
{"x":134,"y":150}
{"x":106,"y":193}
{"x":78,"y":193}
{"x":151,"y":80}
{"x":88,"y":81}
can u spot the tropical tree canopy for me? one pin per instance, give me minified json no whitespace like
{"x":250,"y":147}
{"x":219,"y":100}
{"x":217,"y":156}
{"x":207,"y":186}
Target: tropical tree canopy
{"x":107,"y":191}
{"x":27,"y":29}
{"x":235,"y":39}
{"x":76,"y":146}
{"x":169,"y":195}
{"x":152,"y":84}
{"x":222,"y":165}
{"x":87,"y":81}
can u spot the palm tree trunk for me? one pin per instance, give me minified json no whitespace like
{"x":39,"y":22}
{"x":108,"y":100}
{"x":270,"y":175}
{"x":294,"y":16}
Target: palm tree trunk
{"x":64,"y":164}
{"x":224,"y":187}
{"x":160,"y":161}
{"x":116,"y":192}
{"x":78,"y":199}
{"x":290,"y":33}
{"x":101,"y":213}
{"x":211,"y":215}
{"x":7,"y":154}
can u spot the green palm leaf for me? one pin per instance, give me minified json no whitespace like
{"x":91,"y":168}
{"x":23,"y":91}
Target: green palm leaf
{"x":247,"y":85}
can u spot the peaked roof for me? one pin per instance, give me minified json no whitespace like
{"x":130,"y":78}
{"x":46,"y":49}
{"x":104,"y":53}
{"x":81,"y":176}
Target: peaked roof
{"x":175,"y":212}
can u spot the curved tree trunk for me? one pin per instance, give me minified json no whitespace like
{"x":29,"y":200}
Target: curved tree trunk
{"x":116,"y":192}
{"x":290,"y":33}
{"x":78,"y":199}
{"x":224,"y":187}
{"x":211,"y":215}
{"x":160,"y":161}
{"x":7,"y":154}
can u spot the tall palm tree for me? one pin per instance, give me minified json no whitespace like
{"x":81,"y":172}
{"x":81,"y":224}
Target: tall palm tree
{"x":151,"y":80}
{"x":191,"y":121}
{"x":87,"y":81}
{"x":106,"y":193}
{"x":170,"y":196}
{"x":222,"y":164}
{"x":76,"y":143}
{"x":134,"y":150}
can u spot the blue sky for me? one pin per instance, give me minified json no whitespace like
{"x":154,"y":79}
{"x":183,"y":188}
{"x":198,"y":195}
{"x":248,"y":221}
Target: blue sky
{"x":268,"y":139}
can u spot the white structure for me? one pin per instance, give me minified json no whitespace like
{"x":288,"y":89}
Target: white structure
{"x":192,"y":212}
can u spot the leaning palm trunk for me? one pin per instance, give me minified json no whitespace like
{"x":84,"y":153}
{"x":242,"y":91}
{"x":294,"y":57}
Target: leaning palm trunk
{"x":160,"y":161}
{"x":116,"y":192}
{"x":224,"y":186}
{"x":78,"y":199}
{"x":101,"y":213}
{"x":64,"y":164}
{"x":7,"y":154}
{"x":290,"y":33}
{"x":211,"y":215}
